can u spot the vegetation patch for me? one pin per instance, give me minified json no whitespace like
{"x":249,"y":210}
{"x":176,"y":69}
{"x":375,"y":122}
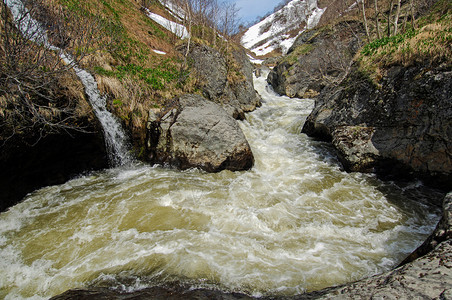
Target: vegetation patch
{"x":429,"y":44}
{"x":303,"y":49}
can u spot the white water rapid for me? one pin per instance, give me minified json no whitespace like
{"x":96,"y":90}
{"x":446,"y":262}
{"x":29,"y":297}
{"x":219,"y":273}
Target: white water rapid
{"x":294,"y":223}
{"x":115,"y":138}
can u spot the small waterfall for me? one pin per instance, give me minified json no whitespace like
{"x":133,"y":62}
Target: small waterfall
{"x":114,"y":135}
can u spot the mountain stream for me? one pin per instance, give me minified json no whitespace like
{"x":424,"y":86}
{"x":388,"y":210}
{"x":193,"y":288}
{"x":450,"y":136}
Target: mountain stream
{"x":294,"y":223}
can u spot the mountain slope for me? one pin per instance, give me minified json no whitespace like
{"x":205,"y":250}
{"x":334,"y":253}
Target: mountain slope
{"x":278,"y":31}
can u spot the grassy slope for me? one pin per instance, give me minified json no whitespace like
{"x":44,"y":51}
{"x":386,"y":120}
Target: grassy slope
{"x":429,"y":43}
{"x":126,"y":67}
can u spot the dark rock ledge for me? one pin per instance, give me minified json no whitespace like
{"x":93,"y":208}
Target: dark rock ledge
{"x":425,"y":274}
{"x":400,"y":126}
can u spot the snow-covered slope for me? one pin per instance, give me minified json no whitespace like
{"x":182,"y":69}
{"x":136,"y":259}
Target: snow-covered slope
{"x":280,"y":29}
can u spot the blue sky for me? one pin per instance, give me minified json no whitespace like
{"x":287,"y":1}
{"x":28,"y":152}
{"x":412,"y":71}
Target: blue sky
{"x":250,"y":9}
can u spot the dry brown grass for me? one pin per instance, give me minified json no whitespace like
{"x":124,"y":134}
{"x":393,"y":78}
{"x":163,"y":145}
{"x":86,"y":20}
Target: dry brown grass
{"x":427,"y":45}
{"x":128,"y":99}
{"x":73,"y":89}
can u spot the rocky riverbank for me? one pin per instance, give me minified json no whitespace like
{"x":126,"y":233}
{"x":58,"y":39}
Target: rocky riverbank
{"x":400,"y":126}
{"x":319,"y":57}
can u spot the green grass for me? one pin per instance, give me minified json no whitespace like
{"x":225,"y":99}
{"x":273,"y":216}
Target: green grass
{"x":393,"y":41}
{"x":155,"y":77}
{"x":303,"y":49}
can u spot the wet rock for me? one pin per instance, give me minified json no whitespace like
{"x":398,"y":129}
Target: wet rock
{"x":55,"y":159}
{"x":155,"y":293}
{"x":358,"y":153}
{"x":196,"y":133}
{"x":425,"y":278}
{"x":401,"y":126}
{"x":227,"y":81}
{"x":318,"y":57}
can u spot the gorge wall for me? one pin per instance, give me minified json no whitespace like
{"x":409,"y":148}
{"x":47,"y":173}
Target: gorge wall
{"x":386,"y":107}
{"x":399,"y":125}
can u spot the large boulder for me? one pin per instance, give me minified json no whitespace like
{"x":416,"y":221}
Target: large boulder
{"x":401,"y":125}
{"x":317,"y":58}
{"x":194,"y":132}
{"x":226,"y":79}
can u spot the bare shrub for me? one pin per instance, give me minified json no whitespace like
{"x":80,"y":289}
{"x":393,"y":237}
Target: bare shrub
{"x":33,"y":78}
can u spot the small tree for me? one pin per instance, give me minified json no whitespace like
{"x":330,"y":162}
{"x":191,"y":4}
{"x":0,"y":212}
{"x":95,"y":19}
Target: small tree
{"x":377,"y":16}
{"x":396,"y":17}
{"x":363,"y":11}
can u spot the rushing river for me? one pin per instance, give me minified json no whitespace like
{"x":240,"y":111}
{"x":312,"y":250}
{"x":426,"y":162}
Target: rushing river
{"x":296,"y":222}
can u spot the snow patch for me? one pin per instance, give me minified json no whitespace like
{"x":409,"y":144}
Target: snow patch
{"x":159,"y":52}
{"x":176,"y":28}
{"x":314,"y":19}
{"x":254,"y":60}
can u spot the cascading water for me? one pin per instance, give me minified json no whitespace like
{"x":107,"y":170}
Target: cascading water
{"x":294,"y":223}
{"x":115,"y":138}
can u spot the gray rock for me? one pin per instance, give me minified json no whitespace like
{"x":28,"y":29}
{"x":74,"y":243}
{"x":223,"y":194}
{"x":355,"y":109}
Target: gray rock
{"x":318,"y":57}
{"x":426,"y":278}
{"x":225,"y":81}
{"x":155,"y":293}
{"x":194,"y":132}
{"x":357,"y":153}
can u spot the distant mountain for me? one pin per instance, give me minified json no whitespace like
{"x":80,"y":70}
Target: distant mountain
{"x":278,"y":31}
